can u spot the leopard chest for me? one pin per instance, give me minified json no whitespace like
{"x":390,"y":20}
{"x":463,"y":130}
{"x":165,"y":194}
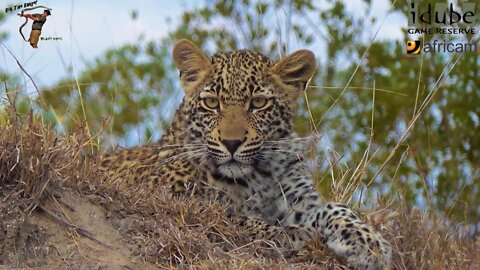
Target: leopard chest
{"x":256,"y":192}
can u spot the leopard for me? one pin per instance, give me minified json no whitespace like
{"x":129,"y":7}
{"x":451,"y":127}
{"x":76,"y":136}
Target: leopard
{"x":233,"y":138}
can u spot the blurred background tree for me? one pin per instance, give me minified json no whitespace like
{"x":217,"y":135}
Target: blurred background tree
{"x":436,"y":167}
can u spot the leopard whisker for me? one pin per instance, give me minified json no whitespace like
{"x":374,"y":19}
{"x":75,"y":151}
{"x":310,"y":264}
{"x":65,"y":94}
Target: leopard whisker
{"x":184,"y":155}
{"x":180,"y":146}
{"x":306,"y":138}
{"x":283,"y":152}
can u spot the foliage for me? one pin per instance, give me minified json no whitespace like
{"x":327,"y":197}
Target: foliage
{"x":115,"y":86}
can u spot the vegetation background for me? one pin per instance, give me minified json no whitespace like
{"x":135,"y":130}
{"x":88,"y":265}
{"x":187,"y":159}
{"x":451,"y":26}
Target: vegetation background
{"x":392,"y":129}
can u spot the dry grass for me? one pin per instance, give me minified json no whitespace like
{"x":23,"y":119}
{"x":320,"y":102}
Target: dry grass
{"x":34,"y":163}
{"x":53,"y":214}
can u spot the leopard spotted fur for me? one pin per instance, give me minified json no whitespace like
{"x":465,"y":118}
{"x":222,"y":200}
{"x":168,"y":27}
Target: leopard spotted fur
{"x":233,"y":136}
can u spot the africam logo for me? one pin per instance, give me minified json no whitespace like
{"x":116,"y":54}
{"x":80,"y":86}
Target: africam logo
{"x":38,"y":19}
{"x":414,"y":47}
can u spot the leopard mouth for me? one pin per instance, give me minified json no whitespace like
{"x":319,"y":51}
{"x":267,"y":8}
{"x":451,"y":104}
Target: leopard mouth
{"x":234,"y":169}
{"x":231,"y":161}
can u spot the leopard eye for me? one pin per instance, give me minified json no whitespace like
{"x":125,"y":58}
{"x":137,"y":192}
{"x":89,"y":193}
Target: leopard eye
{"x":211,"y":103}
{"x":258,"y":102}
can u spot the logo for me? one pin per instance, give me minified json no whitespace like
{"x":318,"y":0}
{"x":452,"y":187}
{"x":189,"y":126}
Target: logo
{"x":441,"y":14}
{"x":413,"y":47}
{"x":38,"y":20}
{"x":441,"y":20}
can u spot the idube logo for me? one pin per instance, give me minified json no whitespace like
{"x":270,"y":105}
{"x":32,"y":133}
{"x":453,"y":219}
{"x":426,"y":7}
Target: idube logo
{"x":443,"y":14}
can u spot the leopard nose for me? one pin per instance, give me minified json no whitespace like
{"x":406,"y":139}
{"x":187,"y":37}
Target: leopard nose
{"x":232,"y":145}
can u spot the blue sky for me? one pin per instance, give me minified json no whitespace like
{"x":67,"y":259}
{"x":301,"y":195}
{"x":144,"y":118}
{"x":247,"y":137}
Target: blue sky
{"x":88,"y":28}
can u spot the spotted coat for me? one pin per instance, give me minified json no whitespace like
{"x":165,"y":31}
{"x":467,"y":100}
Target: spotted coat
{"x":233,"y":138}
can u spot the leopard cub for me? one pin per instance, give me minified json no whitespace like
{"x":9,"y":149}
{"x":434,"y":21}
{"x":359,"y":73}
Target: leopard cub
{"x":233,"y":136}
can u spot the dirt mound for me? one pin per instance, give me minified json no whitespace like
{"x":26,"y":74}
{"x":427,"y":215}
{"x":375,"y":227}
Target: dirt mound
{"x":43,"y":222}
{"x":54,"y":214}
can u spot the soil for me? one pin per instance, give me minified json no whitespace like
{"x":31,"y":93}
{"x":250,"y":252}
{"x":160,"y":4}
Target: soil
{"x":72,"y":232}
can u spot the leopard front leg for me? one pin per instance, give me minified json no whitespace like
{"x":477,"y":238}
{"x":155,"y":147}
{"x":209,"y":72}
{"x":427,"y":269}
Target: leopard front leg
{"x":343,"y":232}
{"x":352,"y":239}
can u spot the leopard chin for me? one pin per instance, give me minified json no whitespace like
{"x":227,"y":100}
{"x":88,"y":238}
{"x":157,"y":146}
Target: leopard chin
{"x":233,"y":169}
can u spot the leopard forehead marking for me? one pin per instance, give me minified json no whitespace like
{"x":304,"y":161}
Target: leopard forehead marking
{"x":237,"y":75}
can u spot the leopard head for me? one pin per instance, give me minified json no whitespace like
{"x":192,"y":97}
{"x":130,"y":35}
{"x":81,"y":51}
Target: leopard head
{"x":236,"y":102}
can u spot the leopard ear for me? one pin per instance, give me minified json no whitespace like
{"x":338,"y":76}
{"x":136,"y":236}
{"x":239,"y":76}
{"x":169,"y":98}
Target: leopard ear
{"x":293,"y":72}
{"x":194,"y":66}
